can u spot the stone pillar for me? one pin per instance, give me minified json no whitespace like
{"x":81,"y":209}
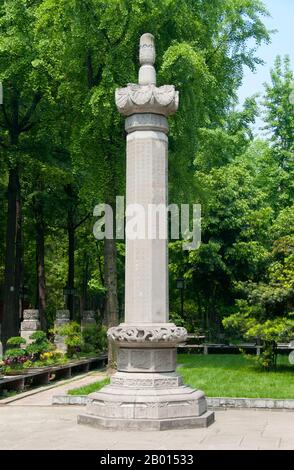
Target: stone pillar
{"x":30,"y":324}
{"x":88,"y":319}
{"x":62,"y":318}
{"x":146,"y":393}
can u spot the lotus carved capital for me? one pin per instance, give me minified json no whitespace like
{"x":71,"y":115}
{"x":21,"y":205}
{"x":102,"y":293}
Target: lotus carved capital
{"x":147,"y":99}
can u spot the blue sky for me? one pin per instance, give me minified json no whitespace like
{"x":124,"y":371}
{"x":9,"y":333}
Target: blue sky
{"x":282,"y":19}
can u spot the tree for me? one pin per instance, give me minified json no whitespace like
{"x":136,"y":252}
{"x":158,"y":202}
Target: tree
{"x":267,"y":311}
{"x":279,"y":119}
{"x":266,"y":307}
{"x":22,"y":97}
{"x":73,"y":56}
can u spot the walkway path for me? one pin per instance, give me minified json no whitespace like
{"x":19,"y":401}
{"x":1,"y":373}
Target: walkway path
{"x":48,"y":427}
{"x":31,"y":422}
{"x":43,"y":395}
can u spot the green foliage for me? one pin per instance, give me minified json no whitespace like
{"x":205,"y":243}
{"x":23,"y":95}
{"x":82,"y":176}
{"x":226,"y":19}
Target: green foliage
{"x":49,"y":358}
{"x":90,"y":388}
{"x":16,"y":341}
{"x":39,"y":345}
{"x":60,"y":63}
{"x":15,"y":355}
{"x":244,"y":269}
{"x":250,"y":321}
{"x":280,"y":123}
{"x":73,"y":337}
{"x":94,"y":338}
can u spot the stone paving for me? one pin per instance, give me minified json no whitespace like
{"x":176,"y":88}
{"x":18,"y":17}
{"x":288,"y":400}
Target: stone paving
{"x":33,"y":423}
{"x":48,"y":427}
{"x":43,"y":395}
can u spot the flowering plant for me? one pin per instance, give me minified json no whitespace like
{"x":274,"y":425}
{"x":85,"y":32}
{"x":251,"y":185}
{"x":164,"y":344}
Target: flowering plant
{"x":52,"y":357}
{"x":16,"y":356}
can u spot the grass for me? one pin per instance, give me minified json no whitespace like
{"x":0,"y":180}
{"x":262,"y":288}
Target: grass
{"x":228,"y":375}
{"x":86,"y":389}
{"x":7,"y":394}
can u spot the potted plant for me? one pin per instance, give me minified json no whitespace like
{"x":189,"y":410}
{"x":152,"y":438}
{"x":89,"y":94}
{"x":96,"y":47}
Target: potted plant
{"x":15,"y":356}
{"x":73,"y":338}
{"x":38,"y":347}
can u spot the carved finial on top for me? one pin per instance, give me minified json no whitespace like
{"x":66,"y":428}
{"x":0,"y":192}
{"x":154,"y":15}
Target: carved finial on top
{"x":147,"y":73}
{"x":145,"y":97}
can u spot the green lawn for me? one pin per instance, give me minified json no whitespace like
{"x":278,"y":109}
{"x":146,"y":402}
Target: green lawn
{"x":227,"y":375}
{"x":86,"y":389}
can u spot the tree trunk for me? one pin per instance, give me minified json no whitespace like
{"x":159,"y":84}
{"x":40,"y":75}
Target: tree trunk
{"x":40,"y":260}
{"x":69,"y":190}
{"x":71,"y":263}
{"x":111,"y":303}
{"x":10,"y":325}
{"x":84,"y":297}
{"x":110,"y":256}
{"x":18,"y":255}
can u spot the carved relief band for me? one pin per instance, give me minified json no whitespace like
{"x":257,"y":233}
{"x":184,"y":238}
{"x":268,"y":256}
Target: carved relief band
{"x":147,"y":335}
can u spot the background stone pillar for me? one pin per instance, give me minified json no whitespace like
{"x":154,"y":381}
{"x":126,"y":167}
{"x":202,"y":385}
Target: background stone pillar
{"x":30,"y":324}
{"x":88,"y":319}
{"x":146,"y":393}
{"x":61,"y":319}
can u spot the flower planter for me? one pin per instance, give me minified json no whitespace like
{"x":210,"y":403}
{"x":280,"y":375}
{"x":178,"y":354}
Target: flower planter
{"x":30,"y":370}
{"x":15,"y":372}
{"x":52,"y":368}
{"x":25,"y":371}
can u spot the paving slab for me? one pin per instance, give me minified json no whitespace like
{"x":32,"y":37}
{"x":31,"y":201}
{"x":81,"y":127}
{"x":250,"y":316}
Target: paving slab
{"x":44,"y":398}
{"x":49,"y":427}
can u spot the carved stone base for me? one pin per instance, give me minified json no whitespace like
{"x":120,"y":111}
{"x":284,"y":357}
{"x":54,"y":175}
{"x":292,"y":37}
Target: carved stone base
{"x":147,"y":425}
{"x":147,"y":360}
{"x":142,"y":381}
{"x":141,"y":406}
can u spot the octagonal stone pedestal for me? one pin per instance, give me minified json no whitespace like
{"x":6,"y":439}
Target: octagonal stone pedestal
{"x":156,"y":409}
{"x":146,"y":393}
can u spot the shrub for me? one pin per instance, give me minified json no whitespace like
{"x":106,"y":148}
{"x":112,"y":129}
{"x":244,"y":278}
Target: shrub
{"x":73,"y":337}
{"x":94,"y":338}
{"x":39,"y":345}
{"x":16,"y":341}
{"x":52,"y":357}
{"x":15,"y":356}
{"x":270,"y":331}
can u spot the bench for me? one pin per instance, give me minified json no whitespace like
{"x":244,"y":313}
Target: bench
{"x":209,"y":347}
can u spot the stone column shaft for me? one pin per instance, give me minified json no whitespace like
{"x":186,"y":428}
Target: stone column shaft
{"x":146,"y":287}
